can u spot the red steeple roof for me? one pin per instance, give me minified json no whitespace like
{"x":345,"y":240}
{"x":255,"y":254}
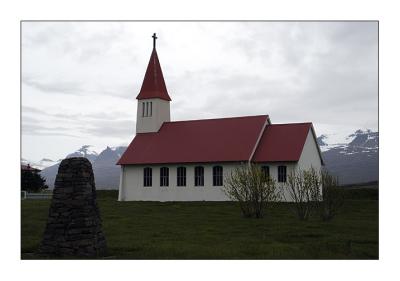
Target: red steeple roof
{"x":153,"y":83}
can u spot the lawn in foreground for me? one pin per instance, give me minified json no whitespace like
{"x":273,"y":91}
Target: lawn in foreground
{"x":216,"y":230}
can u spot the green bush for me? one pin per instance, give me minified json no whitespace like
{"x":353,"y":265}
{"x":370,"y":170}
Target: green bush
{"x":303,"y":188}
{"x":252,"y":188}
{"x":332,"y":196}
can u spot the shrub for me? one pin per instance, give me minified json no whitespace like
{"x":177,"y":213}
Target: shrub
{"x":253,"y":189}
{"x":333,"y":196}
{"x":303,"y":188}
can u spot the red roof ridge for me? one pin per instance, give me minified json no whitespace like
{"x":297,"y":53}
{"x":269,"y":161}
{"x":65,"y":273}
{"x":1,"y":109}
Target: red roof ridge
{"x":222,"y":118}
{"x":284,"y":124}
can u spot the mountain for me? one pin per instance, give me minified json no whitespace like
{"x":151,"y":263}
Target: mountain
{"x":105,"y":171}
{"x":354,"y":159}
{"x":86,"y":152}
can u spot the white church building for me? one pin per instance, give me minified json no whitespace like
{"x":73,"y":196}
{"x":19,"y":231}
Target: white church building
{"x":190,"y":160}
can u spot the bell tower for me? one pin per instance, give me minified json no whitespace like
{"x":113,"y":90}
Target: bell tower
{"x":153,"y":107}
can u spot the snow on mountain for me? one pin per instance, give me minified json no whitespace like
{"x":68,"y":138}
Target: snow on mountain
{"x":362,"y":138}
{"x":353,"y":158}
{"x":42,"y":164}
{"x":84,"y":151}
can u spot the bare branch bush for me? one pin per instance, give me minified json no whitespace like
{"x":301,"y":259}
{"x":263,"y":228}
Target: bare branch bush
{"x":333,"y":196}
{"x":249,"y":186}
{"x":303,"y":189}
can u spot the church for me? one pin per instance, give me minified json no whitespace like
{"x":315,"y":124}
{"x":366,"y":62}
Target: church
{"x":190,"y":160}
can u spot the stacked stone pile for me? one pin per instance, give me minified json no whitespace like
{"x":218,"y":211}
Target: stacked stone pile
{"x":74,"y":224}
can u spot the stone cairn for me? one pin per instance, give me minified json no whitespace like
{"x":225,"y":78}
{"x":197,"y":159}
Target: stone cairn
{"x":74,"y":225}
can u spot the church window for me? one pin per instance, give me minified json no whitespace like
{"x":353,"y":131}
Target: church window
{"x":147,"y":176}
{"x":265,"y":170}
{"x":147,"y":108}
{"x":199,"y":176}
{"x":143,"y":105}
{"x":217,"y":176}
{"x":164,"y":176}
{"x":181,"y":176}
{"x":151,"y":108}
{"x":281,"y":173}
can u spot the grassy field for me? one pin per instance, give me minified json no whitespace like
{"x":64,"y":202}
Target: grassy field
{"x":216,"y":230}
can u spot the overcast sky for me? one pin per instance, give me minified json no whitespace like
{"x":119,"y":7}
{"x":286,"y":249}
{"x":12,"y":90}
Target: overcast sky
{"x":80,"y":79}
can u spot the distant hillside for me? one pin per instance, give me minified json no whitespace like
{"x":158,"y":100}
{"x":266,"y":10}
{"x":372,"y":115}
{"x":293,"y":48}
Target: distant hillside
{"x":353,"y":160}
{"x":105,"y":170}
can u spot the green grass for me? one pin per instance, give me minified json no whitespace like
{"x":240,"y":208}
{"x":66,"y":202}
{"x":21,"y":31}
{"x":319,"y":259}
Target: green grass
{"x":216,"y":230}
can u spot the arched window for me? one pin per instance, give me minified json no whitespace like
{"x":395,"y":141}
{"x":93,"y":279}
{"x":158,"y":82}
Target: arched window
{"x":181,"y":176}
{"x":217,"y":176}
{"x":281,"y":173}
{"x":164,"y":176}
{"x":199,"y":176}
{"x":265,"y":170}
{"x":147,"y":176}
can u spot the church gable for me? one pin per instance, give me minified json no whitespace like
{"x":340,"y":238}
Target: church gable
{"x":282,"y":142}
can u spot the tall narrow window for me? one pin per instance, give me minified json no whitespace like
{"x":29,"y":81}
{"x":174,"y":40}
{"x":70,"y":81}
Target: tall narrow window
{"x":164,"y":176}
{"x":143,"y":105}
{"x":265,"y":170}
{"x":281,"y":173}
{"x":147,"y":177}
{"x":199,"y":176}
{"x":147,"y":108}
{"x":151,"y":108}
{"x":181,"y":176}
{"x":217,"y":176}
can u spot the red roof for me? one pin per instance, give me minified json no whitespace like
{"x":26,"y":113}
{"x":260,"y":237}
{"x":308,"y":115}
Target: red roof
{"x":209,"y":140}
{"x":282,"y":142}
{"x":218,"y":140}
{"x":153,"y":83}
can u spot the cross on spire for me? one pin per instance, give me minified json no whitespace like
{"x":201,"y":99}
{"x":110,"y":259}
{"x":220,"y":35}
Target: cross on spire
{"x":154,"y":40}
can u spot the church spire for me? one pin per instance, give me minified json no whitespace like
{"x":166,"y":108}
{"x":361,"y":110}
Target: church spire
{"x":153,"y":83}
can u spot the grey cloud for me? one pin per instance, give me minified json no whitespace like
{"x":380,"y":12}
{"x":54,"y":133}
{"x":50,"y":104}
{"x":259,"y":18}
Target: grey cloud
{"x":54,"y":87}
{"x":324,"y":72}
{"x":118,"y":129}
{"x":40,"y":130}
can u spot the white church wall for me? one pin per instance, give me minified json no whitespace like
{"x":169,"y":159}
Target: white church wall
{"x":273,"y":172}
{"x":132,"y":188}
{"x":160,"y":113}
{"x":310,"y":155}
